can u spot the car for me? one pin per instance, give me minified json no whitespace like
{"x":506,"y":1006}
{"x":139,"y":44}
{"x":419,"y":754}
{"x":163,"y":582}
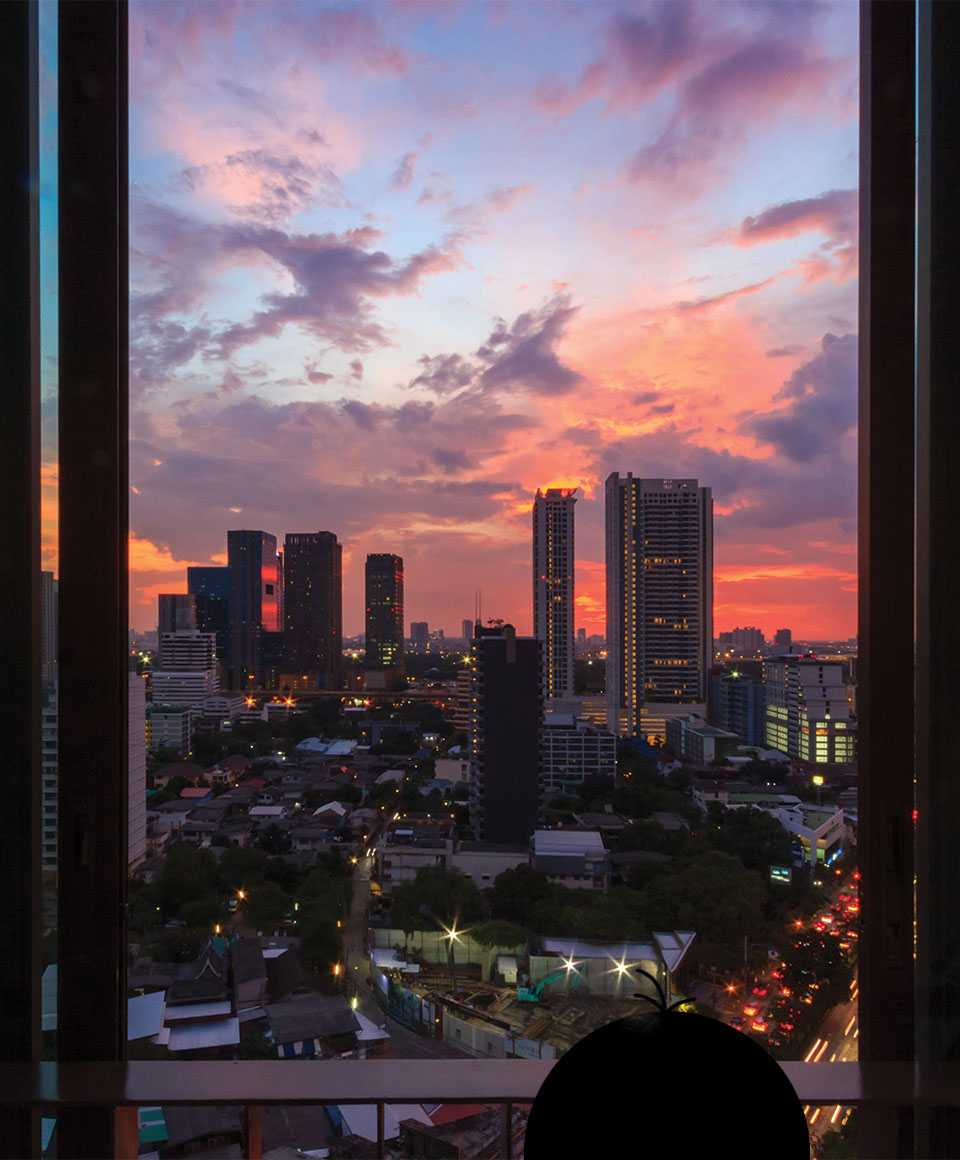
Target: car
{"x":751,"y":1009}
{"x":737,"y":1022}
{"x":774,"y":1041}
{"x":786,"y":1026}
{"x":760,"y":991}
{"x":758,"y":1025}
{"x":786,"y":991}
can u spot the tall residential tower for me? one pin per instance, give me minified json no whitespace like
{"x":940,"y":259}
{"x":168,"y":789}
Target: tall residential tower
{"x":659,"y":541}
{"x":384,"y":619}
{"x":313,"y":607}
{"x":553,"y":564}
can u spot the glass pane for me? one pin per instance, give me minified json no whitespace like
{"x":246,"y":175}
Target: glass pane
{"x":48,"y":512}
{"x":404,"y":280}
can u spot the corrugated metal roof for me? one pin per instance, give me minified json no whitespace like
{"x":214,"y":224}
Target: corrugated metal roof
{"x":196,"y":1011}
{"x":566,"y":841}
{"x":218,"y":1033}
{"x":145,"y":1014}
{"x":361,"y":1119}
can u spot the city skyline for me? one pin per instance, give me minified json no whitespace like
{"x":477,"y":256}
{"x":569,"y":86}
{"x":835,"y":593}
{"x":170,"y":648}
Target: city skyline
{"x":408,"y":271}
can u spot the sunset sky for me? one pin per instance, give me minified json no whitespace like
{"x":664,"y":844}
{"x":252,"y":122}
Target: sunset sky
{"x":394,"y":266}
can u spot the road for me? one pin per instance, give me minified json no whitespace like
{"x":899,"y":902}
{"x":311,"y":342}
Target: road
{"x":407,"y":1044}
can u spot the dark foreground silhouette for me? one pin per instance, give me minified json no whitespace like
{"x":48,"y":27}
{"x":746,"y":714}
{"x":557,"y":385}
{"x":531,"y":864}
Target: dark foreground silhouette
{"x":669,"y":1080}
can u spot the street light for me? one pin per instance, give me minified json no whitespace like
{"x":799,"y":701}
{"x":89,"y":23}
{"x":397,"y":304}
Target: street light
{"x":452,"y":935}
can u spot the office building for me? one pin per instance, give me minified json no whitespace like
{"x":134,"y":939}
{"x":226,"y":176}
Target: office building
{"x":783,"y":638}
{"x":176,"y":612}
{"x":187,"y":674}
{"x":420,"y":635}
{"x":737,"y":704}
{"x":573,"y":750}
{"x":188,"y":651}
{"x":659,"y":557}
{"x":467,"y":629}
{"x":384,"y":618}
{"x":254,"y":602}
{"x":691,"y":738}
{"x":49,"y":776}
{"x":48,"y":629}
{"x":808,"y":713}
{"x":506,"y":725}
{"x":210,"y":589}
{"x":313,"y":607}
{"x":168,"y":727}
{"x":553,"y":578}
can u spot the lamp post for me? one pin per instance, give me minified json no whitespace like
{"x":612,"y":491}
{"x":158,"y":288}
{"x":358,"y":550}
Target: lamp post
{"x":452,"y":936}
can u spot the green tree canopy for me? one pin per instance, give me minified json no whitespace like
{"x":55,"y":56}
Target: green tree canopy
{"x":497,"y":932}
{"x":321,"y":946}
{"x":519,"y":894}
{"x":188,"y":874}
{"x":713,"y":894}
{"x":266,"y":905}
{"x":241,"y":868}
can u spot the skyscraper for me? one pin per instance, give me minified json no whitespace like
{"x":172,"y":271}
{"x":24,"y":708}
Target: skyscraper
{"x":384,"y":620}
{"x":210,"y":589}
{"x":252,"y":560}
{"x":176,"y":612}
{"x":659,"y":549}
{"x":553,"y":564}
{"x":313,"y":607}
{"x":420,"y":635}
{"x":506,"y":725}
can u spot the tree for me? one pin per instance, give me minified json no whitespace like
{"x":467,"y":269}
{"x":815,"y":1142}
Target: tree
{"x":266,"y":906}
{"x":187,"y":875}
{"x":274,"y":840}
{"x":497,"y":932}
{"x":713,"y":894}
{"x":321,"y":946}
{"x":242,"y":868}
{"x":647,"y":835}
{"x":755,"y":836}
{"x":449,"y":895}
{"x":519,"y":895}
{"x":202,"y":912}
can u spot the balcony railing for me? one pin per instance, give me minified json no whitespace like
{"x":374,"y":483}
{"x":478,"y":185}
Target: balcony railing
{"x":253,"y":1085}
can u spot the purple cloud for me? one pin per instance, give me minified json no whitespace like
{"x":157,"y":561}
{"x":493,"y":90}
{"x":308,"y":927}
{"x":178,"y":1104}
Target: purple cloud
{"x":834,"y":213}
{"x":523,"y":357}
{"x":821,"y":398}
{"x":402,"y":176}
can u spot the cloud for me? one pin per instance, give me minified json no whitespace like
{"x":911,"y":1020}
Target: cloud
{"x":834,"y":213}
{"x":727,"y":296}
{"x":820,"y":408}
{"x":444,"y":373}
{"x":517,"y":356}
{"x":356,"y":370}
{"x":335,"y":276}
{"x":503,"y":200}
{"x":402,"y":176}
{"x":522,"y":356}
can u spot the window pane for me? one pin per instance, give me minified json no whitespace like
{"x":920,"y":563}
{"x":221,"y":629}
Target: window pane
{"x":395,"y":273}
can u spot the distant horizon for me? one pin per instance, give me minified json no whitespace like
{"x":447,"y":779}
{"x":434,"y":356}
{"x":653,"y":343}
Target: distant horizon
{"x":394,"y":267}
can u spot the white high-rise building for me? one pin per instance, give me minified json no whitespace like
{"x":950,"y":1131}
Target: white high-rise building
{"x":808,"y":712}
{"x":659,"y":555}
{"x":553,"y":579}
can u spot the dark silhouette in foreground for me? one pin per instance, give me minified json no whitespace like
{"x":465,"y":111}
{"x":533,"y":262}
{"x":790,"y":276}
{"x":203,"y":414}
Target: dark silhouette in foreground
{"x":671,"y":1079}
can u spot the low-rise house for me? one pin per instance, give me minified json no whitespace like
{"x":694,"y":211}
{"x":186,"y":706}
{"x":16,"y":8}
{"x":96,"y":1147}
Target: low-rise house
{"x":322,"y":1025}
{"x":249,"y":978}
{"x":483,"y":861}
{"x":572,"y":858}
